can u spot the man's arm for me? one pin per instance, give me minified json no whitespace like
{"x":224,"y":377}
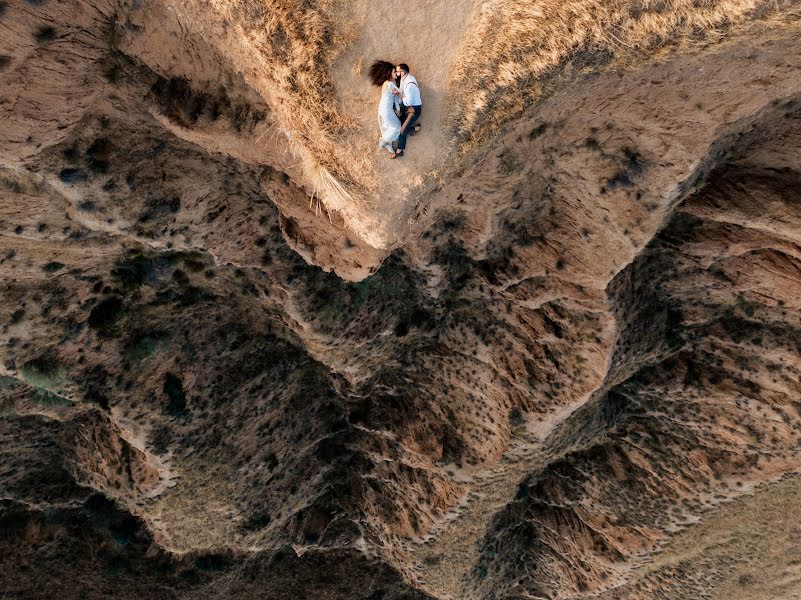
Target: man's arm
{"x":409,"y":115}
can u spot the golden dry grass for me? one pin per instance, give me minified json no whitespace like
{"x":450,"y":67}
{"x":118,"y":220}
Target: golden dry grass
{"x":294,"y":44}
{"x":513,"y":45}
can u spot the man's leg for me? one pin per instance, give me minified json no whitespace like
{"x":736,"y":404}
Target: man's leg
{"x":402,"y":141}
{"x":409,"y":127}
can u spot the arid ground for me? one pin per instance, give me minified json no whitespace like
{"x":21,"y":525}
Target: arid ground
{"x":552,"y":352}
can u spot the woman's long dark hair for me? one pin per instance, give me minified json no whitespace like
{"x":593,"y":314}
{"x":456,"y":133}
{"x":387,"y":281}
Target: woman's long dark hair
{"x":380,"y":71}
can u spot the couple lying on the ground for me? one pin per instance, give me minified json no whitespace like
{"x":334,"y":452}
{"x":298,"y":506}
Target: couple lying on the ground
{"x":400,"y":106}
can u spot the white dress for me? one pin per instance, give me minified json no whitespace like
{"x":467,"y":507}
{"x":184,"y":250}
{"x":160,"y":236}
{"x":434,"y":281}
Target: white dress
{"x":388,"y":121}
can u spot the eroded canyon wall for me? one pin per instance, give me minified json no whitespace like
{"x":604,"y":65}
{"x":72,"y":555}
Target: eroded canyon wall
{"x":242,"y":361}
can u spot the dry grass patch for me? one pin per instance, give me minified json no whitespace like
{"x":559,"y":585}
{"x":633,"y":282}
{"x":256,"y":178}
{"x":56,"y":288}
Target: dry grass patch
{"x":512,"y":46}
{"x":290,"y":46}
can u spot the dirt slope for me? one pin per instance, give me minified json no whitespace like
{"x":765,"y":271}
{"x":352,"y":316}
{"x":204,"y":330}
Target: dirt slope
{"x":562,"y":365}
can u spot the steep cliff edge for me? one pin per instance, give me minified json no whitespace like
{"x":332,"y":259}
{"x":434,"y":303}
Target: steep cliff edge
{"x":244,"y":357}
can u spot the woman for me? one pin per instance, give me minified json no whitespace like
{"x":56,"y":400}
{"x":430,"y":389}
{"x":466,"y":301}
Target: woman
{"x":382,"y":74}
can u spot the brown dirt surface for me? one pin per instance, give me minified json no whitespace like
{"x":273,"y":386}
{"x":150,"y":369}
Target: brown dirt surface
{"x":551,"y":353}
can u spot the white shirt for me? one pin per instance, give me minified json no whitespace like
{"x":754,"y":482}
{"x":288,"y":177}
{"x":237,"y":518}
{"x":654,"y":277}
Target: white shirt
{"x":410,"y":91}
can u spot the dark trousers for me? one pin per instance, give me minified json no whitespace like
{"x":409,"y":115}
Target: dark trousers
{"x":418,"y":110}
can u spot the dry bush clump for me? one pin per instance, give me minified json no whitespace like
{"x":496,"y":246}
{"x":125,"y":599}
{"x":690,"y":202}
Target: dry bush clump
{"x":513,"y":45}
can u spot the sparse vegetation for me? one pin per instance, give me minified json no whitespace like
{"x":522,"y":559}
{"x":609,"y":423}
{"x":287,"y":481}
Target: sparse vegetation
{"x":52,"y":266}
{"x":133,"y":271}
{"x":104,"y":316}
{"x":47,"y":398}
{"x":45,"y":371}
{"x":71,"y":176}
{"x":508,"y":163}
{"x":176,"y":398}
{"x":99,"y":154}
{"x":160,"y":439}
{"x":45,"y":34}
{"x":503,"y":69}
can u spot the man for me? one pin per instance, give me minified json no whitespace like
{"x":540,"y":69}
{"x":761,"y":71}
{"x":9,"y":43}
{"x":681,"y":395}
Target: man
{"x":411,"y":105}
